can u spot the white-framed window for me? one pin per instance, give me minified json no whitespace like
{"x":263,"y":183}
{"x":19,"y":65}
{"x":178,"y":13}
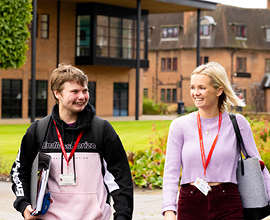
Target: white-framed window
{"x":206,"y":24}
{"x":205,"y":30}
{"x":240,"y":31}
{"x":170,"y":33}
{"x":267,"y":34}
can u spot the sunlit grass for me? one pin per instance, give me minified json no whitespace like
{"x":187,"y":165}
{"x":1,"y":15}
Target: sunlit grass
{"x":133,"y":134}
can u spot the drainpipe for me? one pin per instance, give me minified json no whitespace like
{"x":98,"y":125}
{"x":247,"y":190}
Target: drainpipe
{"x":58,"y":33}
{"x":33,"y":62}
{"x":156,"y":76}
{"x":138,"y":59}
{"x":233,"y":52}
{"x":198,"y":36}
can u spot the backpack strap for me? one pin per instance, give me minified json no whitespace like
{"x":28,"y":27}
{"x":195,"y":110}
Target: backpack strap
{"x":97,"y":125}
{"x":41,"y":130}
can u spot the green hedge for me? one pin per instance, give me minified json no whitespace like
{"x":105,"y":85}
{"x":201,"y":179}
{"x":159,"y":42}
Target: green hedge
{"x":15,"y":14}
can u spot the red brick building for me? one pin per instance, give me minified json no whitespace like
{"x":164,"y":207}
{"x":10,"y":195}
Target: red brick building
{"x":98,"y":37}
{"x":237,"y":38}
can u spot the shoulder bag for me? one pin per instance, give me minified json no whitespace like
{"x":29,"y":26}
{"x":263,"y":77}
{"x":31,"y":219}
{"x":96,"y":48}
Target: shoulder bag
{"x":250,"y":182}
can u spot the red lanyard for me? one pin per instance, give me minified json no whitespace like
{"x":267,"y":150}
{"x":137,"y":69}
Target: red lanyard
{"x":205,"y":164}
{"x":63,"y":147}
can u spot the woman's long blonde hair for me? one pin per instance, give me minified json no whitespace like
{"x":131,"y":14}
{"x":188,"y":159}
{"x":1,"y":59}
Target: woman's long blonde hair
{"x":219,"y":79}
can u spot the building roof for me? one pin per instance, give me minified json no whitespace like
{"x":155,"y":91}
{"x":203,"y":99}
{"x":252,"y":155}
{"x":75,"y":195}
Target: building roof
{"x":222,"y":33}
{"x":158,"y":6}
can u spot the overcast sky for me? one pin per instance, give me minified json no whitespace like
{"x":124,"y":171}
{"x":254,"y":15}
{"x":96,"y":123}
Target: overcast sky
{"x":243,"y":3}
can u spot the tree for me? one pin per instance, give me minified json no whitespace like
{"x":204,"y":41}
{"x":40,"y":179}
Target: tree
{"x":15,"y":15}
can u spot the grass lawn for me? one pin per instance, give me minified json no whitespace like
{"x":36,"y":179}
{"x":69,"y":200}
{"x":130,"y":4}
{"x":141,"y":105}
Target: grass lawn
{"x":133,"y":134}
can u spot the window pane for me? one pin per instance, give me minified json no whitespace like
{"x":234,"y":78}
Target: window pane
{"x":102,"y":41}
{"x":44,"y":26}
{"x":115,"y":22}
{"x":145,"y":93}
{"x":115,"y":42}
{"x":268,"y":33}
{"x":127,"y":34}
{"x":163,"y":95}
{"x":174,"y":95}
{"x":83,"y":51}
{"x":127,"y":43}
{"x":44,"y":34}
{"x":169,"y":63}
{"x":169,"y":32}
{"x":44,"y":18}
{"x":5,"y":84}
{"x":102,"y":20}
{"x":174,"y":63}
{"x":103,"y":31}
{"x":83,"y":20}
{"x":115,"y":32}
{"x":83,"y":35}
{"x":11,"y":98}
{"x":175,"y":32}
{"x":102,"y":51}
{"x":168,"y":95}
{"x":124,"y":95}
{"x":163,"y":63}
{"x":120,"y":99}
{"x":6,"y":102}
{"x":127,"y":53}
{"x":127,"y":23}
{"x":115,"y":51}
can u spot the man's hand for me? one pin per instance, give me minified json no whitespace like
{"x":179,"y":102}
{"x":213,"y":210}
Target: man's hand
{"x":169,"y":215}
{"x":27,"y":213}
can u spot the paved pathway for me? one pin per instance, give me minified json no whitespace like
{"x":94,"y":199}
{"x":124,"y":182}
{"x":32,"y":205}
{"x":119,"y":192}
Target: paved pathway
{"x":147,"y":204}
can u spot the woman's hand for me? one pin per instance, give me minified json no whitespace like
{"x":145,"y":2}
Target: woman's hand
{"x":169,"y":215}
{"x":27,"y":213}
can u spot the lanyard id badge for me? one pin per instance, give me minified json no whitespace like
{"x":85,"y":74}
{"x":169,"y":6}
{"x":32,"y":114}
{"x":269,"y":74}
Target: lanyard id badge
{"x":67,"y":179}
{"x":201,"y":184}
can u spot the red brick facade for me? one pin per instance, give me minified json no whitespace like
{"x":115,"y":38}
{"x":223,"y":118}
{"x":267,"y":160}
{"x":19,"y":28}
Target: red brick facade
{"x":46,"y":62}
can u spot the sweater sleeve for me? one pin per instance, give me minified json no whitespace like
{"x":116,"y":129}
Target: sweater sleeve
{"x":21,"y":170}
{"x":251,"y":148}
{"x":117,"y":165}
{"x":172,"y":168}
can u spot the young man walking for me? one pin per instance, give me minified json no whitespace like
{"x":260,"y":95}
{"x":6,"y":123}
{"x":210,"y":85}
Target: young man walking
{"x":82,"y":174}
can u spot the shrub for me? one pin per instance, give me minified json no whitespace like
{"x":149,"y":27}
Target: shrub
{"x":147,"y":166}
{"x":191,"y":109}
{"x":261,"y":133}
{"x":150,"y":108}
